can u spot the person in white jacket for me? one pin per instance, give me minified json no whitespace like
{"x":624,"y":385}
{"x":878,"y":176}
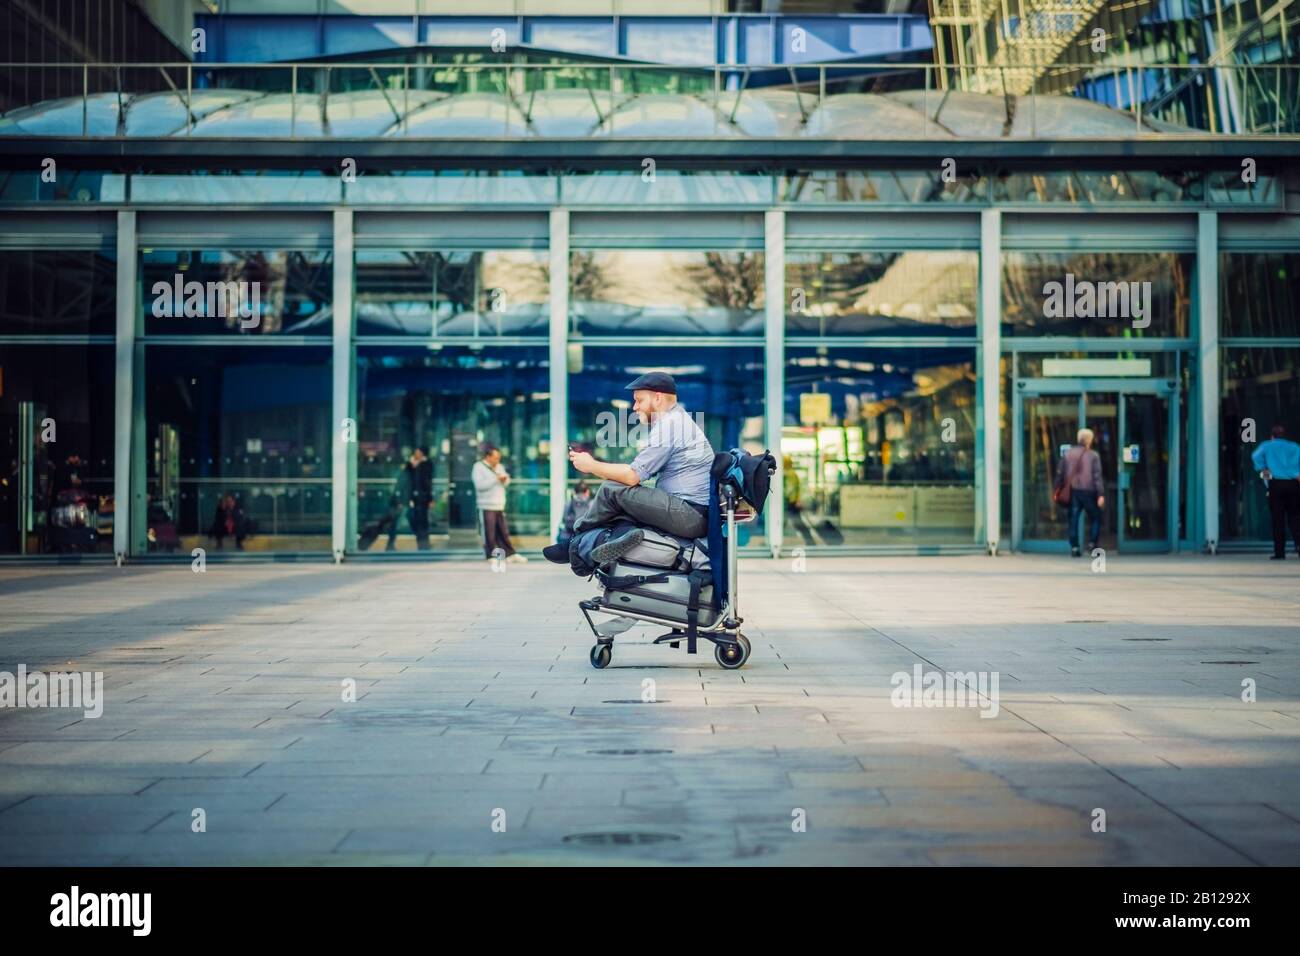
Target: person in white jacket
{"x":490,"y":481}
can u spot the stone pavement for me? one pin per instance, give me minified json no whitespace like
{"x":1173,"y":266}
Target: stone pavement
{"x":476,"y":705}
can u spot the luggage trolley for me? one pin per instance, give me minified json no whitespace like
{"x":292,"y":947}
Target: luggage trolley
{"x":722,"y":627}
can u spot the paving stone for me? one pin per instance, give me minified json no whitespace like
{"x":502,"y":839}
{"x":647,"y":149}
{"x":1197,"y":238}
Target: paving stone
{"x":473,"y":694}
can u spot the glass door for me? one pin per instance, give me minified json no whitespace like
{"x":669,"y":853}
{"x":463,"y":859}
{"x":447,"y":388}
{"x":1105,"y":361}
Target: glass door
{"x":1142,"y":492}
{"x":1051,"y":422}
{"x":1134,"y":436}
{"x":1101,"y":414}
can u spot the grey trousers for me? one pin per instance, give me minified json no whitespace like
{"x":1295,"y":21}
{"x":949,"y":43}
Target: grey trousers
{"x":644,"y":505}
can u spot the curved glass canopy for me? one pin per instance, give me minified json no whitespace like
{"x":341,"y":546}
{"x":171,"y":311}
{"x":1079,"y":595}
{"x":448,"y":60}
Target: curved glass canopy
{"x":572,"y":114}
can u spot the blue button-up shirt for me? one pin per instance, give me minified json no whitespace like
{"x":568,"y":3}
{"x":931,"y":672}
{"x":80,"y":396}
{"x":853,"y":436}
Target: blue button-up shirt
{"x":677,"y":455}
{"x":1280,"y":456}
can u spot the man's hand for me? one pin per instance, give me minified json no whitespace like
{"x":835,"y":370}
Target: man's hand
{"x":1101,"y":501}
{"x":1266,"y":475}
{"x":606,"y":470}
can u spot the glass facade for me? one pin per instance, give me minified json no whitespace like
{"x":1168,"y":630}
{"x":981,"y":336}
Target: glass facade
{"x":1261,"y":388}
{"x":448,"y":400}
{"x":878,"y":445}
{"x":883,"y":186}
{"x":1260,"y":379}
{"x":882,"y":293}
{"x":241,"y":370}
{"x":236,"y":448}
{"x":56,"y":449}
{"x":236,"y":292}
{"x":458,"y":293}
{"x":57,"y":399}
{"x":57,"y":292}
{"x":1103,"y":294}
{"x":647,"y":292}
{"x":1259,"y":295}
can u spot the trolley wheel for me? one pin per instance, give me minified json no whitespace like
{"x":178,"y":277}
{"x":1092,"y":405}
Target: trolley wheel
{"x":600,"y":655}
{"x":732,"y":656}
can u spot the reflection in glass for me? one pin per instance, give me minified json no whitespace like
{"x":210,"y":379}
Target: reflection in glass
{"x":1099,"y":186}
{"x":449,"y":400}
{"x":878,"y":446}
{"x":1259,"y":294}
{"x":669,"y":187}
{"x":452,"y":292}
{"x":56,"y":449}
{"x":1144,"y":482}
{"x":1107,"y":294}
{"x":237,"y":186}
{"x":58,"y":292}
{"x":236,"y":291}
{"x":650,"y":292}
{"x":882,"y":293}
{"x":454,"y":186}
{"x":1262,"y":385}
{"x":878,"y":186}
{"x":250,"y":423}
{"x":72,"y":185}
{"x":720,"y":387}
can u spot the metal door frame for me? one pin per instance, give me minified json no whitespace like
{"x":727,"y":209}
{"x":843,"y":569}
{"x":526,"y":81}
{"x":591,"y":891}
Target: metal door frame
{"x":1034,"y":387}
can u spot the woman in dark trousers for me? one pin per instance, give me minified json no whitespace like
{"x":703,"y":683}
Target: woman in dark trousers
{"x":1080,"y":467}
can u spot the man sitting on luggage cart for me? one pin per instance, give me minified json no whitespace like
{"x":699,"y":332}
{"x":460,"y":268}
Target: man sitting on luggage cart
{"x":676,"y":454}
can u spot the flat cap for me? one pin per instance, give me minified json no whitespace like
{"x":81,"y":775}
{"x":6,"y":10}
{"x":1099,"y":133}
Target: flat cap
{"x":654,"y":382}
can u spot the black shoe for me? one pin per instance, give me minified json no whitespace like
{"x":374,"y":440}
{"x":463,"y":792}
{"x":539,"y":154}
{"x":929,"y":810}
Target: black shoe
{"x":556,"y":553}
{"x":1092,"y":547}
{"x":615,"y":548}
{"x":1277,"y":557}
{"x":1074,"y":552}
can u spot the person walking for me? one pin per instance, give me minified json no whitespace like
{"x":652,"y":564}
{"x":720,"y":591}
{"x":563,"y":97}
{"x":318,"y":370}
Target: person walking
{"x":421,"y":494}
{"x":1080,"y":471}
{"x":1278,"y":463}
{"x":404,"y":500}
{"x":490,"y":480}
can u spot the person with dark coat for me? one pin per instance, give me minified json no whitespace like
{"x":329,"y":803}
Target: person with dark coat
{"x":574,"y":510}
{"x":229,"y":522}
{"x":420,"y":483}
{"x":412,"y":494}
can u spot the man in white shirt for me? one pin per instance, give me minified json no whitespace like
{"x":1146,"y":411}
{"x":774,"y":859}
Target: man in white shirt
{"x":490,"y":481}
